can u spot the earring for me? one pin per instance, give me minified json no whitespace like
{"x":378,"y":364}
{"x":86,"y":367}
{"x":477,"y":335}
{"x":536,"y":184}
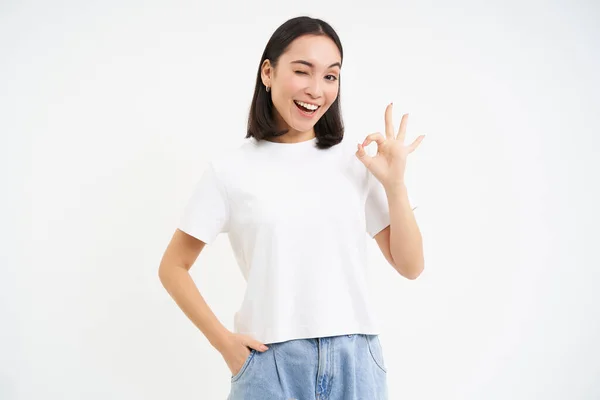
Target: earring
{"x":268,"y":89}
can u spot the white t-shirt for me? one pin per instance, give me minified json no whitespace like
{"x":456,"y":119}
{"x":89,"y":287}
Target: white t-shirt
{"x":297,"y":218}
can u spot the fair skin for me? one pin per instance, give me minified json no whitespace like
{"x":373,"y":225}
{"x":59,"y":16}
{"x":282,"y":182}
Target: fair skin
{"x":401,"y":242}
{"x":180,"y":255}
{"x":308,"y":73}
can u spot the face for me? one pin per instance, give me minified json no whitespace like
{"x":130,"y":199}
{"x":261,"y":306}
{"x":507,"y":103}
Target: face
{"x":305,"y":82}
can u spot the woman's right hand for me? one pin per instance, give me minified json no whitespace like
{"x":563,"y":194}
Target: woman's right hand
{"x":236,"y":348}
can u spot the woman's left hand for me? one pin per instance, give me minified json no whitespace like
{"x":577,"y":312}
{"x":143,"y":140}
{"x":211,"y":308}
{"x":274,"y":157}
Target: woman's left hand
{"x":389,"y":163}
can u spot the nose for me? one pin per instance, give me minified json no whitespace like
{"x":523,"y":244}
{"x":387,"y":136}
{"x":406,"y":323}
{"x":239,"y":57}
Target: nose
{"x":314,"y":88}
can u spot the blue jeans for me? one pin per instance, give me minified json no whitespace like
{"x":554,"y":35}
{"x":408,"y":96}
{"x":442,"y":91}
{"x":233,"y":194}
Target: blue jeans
{"x":347,"y":367}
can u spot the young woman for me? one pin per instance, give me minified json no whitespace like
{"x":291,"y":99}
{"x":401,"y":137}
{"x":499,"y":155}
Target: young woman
{"x":296,"y":201}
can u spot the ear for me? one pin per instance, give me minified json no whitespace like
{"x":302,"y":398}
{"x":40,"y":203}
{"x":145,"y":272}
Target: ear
{"x":266,"y":71}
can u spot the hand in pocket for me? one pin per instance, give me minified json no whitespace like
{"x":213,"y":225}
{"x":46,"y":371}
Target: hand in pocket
{"x":236,"y":349}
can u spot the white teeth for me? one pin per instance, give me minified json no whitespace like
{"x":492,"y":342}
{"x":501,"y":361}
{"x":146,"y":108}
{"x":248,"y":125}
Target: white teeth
{"x":307,"y":106}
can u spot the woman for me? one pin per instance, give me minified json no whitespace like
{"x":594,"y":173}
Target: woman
{"x":296,"y":201}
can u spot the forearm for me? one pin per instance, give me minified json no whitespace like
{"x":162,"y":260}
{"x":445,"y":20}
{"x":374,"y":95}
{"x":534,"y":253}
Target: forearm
{"x":406,"y":244}
{"x":181,"y":287}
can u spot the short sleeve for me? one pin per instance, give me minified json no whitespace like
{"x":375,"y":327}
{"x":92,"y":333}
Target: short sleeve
{"x":207,"y":211}
{"x":377,"y":211}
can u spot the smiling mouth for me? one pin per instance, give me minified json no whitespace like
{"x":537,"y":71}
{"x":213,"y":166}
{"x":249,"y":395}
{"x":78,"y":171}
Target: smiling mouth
{"x":306,"y":107}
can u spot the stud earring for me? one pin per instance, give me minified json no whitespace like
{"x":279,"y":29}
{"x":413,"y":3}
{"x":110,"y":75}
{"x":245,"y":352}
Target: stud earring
{"x":268,"y":89}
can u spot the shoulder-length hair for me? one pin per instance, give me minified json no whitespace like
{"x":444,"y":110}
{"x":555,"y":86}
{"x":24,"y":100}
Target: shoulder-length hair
{"x":329,"y":129}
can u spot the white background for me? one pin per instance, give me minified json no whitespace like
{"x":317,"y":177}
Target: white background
{"x":109,"y":112}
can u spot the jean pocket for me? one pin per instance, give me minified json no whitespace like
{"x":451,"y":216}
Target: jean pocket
{"x":376,"y":351}
{"x":244,"y":366}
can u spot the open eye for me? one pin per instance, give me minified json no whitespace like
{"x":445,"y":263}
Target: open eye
{"x":331,"y":78}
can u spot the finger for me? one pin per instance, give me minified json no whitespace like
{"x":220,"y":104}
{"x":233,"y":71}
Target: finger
{"x":256,"y":345}
{"x":415,"y":144}
{"x":362,"y":155}
{"x":389,"y":121}
{"x":402,"y":129}
{"x":259,"y":346}
{"x":374,"y":137}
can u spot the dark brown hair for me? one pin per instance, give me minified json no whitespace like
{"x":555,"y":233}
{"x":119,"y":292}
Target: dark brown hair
{"x":329,"y":129}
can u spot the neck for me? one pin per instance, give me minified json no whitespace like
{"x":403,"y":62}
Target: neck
{"x":294,"y":137}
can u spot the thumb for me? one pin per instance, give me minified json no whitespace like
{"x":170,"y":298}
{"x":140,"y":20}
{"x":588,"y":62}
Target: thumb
{"x":256,"y":345}
{"x":362,"y":155}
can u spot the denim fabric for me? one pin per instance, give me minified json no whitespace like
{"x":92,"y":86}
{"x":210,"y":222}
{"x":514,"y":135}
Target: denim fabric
{"x":347,"y":367}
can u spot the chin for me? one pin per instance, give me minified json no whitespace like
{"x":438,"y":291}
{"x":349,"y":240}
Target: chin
{"x":302,"y":128}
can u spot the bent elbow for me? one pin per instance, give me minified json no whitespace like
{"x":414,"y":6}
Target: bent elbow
{"x":411,"y":273}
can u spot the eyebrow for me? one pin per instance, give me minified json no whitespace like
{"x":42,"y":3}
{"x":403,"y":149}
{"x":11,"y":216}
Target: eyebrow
{"x":335,"y":64}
